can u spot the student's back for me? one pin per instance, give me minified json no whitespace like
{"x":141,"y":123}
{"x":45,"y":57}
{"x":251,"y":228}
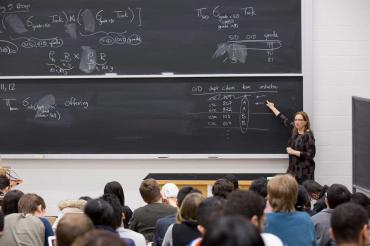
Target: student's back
{"x":144,"y":219}
{"x":22,"y":230}
{"x":293,"y":228}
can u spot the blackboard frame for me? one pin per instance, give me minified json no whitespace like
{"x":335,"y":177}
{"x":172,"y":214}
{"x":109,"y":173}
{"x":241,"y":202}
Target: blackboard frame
{"x":356,"y":162}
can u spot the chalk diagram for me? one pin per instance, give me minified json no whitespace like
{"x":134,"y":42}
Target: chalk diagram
{"x":241,"y":111}
{"x":237,"y":51}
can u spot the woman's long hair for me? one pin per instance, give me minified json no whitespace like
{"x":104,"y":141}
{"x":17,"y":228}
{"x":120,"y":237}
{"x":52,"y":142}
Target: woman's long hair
{"x":115,"y":188}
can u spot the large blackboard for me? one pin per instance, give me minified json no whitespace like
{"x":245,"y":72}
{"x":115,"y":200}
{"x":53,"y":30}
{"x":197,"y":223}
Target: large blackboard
{"x":130,"y":37}
{"x":146,"y":115}
{"x":361,"y":143}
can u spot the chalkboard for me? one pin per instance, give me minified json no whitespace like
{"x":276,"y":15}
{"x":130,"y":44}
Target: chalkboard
{"x":361,"y":143}
{"x":133,"y":37}
{"x":146,"y":115}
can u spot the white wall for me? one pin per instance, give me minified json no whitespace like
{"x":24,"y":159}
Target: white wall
{"x":341,"y":69}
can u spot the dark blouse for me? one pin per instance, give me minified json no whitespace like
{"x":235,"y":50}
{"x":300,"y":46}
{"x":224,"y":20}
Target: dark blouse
{"x":302,"y":167}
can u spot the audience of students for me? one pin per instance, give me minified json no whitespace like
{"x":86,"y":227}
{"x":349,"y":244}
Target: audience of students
{"x":230,"y":217}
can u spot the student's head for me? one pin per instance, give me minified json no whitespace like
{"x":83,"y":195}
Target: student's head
{"x":282,"y":191}
{"x":259,"y":186}
{"x":4,"y":183}
{"x":117,"y":209}
{"x":222,"y":188}
{"x":31,"y":204}
{"x":100,"y":212}
{"x":247,"y":204}
{"x":210,"y":210}
{"x":189,"y":208}
{"x":349,"y":225}
{"x":361,"y":199}
{"x":233,"y":179}
{"x":41,"y":204}
{"x":183,"y":192}
{"x":313,"y":188}
{"x":232,"y":230}
{"x":169,"y":194}
{"x":10,"y":201}
{"x":150,"y":191}
{"x":303,"y":200}
{"x":98,"y":238}
{"x":72,"y":226}
{"x":336,"y":195}
{"x":115,"y":188}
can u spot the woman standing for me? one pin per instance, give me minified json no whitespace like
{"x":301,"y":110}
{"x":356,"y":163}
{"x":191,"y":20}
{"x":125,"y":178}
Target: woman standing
{"x":301,"y":145}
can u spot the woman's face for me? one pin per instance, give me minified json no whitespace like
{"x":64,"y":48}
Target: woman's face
{"x":299,"y":122}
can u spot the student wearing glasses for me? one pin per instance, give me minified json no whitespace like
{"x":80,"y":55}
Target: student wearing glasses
{"x":301,"y":145}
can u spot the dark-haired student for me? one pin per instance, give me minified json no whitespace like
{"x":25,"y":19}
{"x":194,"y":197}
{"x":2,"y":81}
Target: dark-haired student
{"x":301,"y":145}
{"x":317,"y":193}
{"x":115,"y":188}
{"x":251,"y":205}
{"x":209,"y":211}
{"x":361,"y":199}
{"x":104,"y":217}
{"x":336,"y":194}
{"x":10,"y":201}
{"x":349,"y":225}
{"x":222,"y":188}
{"x":232,"y":230}
{"x":124,"y":233}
